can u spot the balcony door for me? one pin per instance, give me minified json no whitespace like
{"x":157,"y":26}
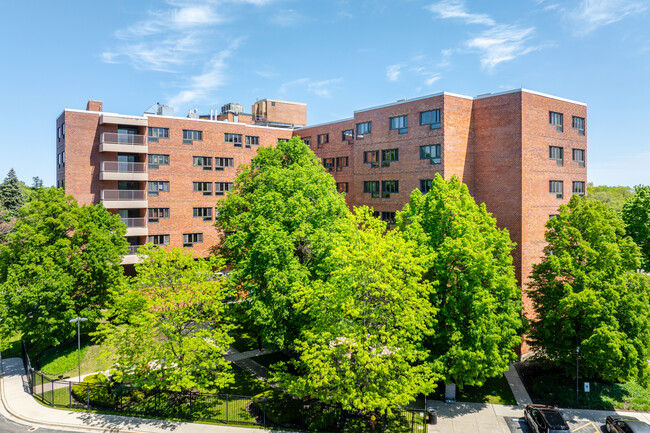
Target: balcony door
{"x":126,"y":134}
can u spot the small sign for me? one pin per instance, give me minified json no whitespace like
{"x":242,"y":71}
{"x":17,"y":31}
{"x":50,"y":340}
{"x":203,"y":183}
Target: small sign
{"x":586,"y":386}
{"x":421,"y":414}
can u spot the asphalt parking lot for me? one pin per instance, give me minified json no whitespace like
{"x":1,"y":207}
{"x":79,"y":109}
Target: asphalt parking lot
{"x":518,"y":425}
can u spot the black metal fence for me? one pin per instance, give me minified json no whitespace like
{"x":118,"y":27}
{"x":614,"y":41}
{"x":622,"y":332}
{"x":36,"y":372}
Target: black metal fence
{"x":274,"y":412}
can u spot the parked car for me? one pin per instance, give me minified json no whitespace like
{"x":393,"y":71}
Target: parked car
{"x":544,"y":419}
{"x":625,"y":424}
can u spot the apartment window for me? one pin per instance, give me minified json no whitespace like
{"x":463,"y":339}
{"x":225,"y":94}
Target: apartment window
{"x":202,"y":161}
{"x":61,"y":159}
{"x":556,"y":187}
{"x":347,"y":135}
{"x":252,"y":140}
{"x":306,"y":140}
{"x":579,"y":188}
{"x":202,"y":212}
{"x":282,"y":140}
{"x":431,"y":118}
{"x":555,"y":215}
{"x":364,"y":128}
{"x":190,"y":239}
{"x":389,"y":187}
{"x":341,"y":161}
{"x":372,"y":187}
{"x":400,"y":123}
{"x":389,"y":217}
{"x":322,"y":139}
{"x":579,"y":124}
{"x":155,"y":213}
{"x":60,"y":131}
{"x":342,"y":186}
{"x":425,"y":185}
{"x":371,"y":157}
{"x":204,"y":187}
{"x":431,"y":152}
{"x":157,"y":160}
{"x":235,"y":139}
{"x":388,"y":156}
{"x":328,"y":163}
{"x":556,"y":153}
{"x":156,"y":186}
{"x":159,"y":239}
{"x":221,"y":163}
{"x":220,"y":188}
{"x":556,"y":119}
{"x":153,"y":134}
{"x":190,"y":135}
{"x":579,"y":157}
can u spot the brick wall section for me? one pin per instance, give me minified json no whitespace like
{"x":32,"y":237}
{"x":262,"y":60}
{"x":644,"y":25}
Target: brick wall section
{"x":457,"y":152}
{"x":292,"y":113}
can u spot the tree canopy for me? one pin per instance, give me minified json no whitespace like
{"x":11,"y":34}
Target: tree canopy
{"x":479,"y":319}
{"x":612,"y":196}
{"x":587,"y":294}
{"x":636,"y":215}
{"x":168,"y":328}
{"x":367,"y":318}
{"x":11,"y":193}
{"x":59,"y":262}
{"x":277,"y":223}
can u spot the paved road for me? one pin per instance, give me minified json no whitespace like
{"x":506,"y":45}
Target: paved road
{"x":7,"y":426}
{"x":518,"y":425}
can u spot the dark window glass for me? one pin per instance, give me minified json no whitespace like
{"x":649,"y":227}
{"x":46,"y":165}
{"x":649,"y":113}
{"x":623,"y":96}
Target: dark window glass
{"x":222,"y":163}
{"x":431,"y":152}
{"x":556,"y":187}
{"x":425,"y":185}
{"x":579,"y":188}
{"x":579,"y":124}
{"x":202,"y":212}
{"x":371,"y":157}
{"x":371,"y":187}
{"x":388,"y":156}
{"x":156,"y":160}
{"x":348,"y":134}
{"x":342,"y":186}
{"x":235,"y":139}
{"x":322,"y":139}
{"x":389,"y":187}
{"x":400,"y":123}
{"x":556,"y":153}
{"x":204,"y":187}
{"x":341,"y":161}
{"x":202,"y":161}
{"x":328,"y":163}
{"x":252,"y":140}
{"x":431,"y":118}
{"x":156,"y":213}
{"x":153,"y":134}
{"x":190,"y":135}
{"x":159,"y":239}
{"x":220,"y":188}
{"x":192,"y":238}
{"x":156,"y":186}
{"x":579,"y":157}
{"x":364,"y":128}
{"x":389,"y":217}
{"x":556,"y":119}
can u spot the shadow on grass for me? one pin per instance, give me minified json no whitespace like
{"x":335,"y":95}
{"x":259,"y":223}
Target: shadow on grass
{"x":549,"y":385}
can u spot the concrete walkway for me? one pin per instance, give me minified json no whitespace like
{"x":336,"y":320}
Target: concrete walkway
{"x":243,"y":361}
{"x":517,"y":387}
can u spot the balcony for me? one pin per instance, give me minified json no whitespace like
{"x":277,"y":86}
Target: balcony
{"x":117,"y":142}
{"x":136,"y":226}
{"x":131,"y":257}
{"x":115,"y":170}
{"x":124,"y":199}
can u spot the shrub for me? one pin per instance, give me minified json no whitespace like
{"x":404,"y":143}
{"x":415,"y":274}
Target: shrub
{"x":96,"y":389}
{"x":281,"y":408}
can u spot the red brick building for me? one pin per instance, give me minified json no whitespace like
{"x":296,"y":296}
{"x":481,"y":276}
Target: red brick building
{"x":164,"y":174}
{"x":520,"y":152}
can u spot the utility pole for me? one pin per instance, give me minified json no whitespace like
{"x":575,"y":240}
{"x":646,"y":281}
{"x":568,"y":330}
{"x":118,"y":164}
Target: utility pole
{"x":78,"y":321}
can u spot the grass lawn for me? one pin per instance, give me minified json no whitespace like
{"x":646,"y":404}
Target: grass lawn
{"x":549,"y":385}
{"x":495,"y":391}
{"x":245,"y":384}
{"x":11,"y":347}
{"x":62,"y":360}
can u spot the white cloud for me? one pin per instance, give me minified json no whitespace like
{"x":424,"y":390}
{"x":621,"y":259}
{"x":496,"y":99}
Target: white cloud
{"x":591,"y":14}
{"x":287,"y":18}
{"x":393,"y":72}
{"x":321,"y":88}
{"x":200,"y":87}
{"x":455,"y":9}
{"x":432,"y":79}
{"x":500,"y":44}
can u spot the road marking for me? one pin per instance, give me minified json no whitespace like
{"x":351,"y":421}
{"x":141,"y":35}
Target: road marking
{"x":588,"y":424}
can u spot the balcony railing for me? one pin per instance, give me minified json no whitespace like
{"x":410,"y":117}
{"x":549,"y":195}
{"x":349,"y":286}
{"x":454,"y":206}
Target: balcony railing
{"x":133,"y":249}
{"x":124,"y":195}
{"x":121,"y":138}
{"x":124,"y":167}
{"x":133,"y":223}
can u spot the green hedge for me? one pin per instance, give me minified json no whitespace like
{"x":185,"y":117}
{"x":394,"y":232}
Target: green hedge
{"x":96,"y":389}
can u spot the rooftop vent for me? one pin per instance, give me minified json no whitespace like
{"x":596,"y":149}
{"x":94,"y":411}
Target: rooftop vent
{"x":193,"y":114}
{"x":232,"y":108}
{"x":159,"y":109}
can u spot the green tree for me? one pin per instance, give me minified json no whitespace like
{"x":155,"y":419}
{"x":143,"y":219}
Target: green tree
{"x":37,"y":182}
{"x":367,"y":319}
{"x":11,"y":193}
{"x":278,"y":221}
{"x":586,"y":292}
{"x":7,"y":222}
{"x":479,"y":318}
{"x":636,"y":215}
{"x":58,"y":263}
{"x":612,"y":196}
{"x":169,"y":329}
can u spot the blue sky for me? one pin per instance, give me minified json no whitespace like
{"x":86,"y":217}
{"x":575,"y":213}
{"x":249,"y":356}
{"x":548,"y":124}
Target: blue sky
{"x":337,"y":56}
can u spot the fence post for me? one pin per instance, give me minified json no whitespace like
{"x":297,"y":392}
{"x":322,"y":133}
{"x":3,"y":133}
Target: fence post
{"x":52,"y":393}
{"x":70,"y":393}
{"x":88,"y":395}
{"x":264,"y":411}
{"x":226,"y":408}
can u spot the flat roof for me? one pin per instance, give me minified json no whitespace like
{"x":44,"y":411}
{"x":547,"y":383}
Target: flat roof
{"x":280,"y":100}
{"x":325,"y":123}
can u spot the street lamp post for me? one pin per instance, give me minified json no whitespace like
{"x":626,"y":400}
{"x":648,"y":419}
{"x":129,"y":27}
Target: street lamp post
{"x":78,"y":321}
